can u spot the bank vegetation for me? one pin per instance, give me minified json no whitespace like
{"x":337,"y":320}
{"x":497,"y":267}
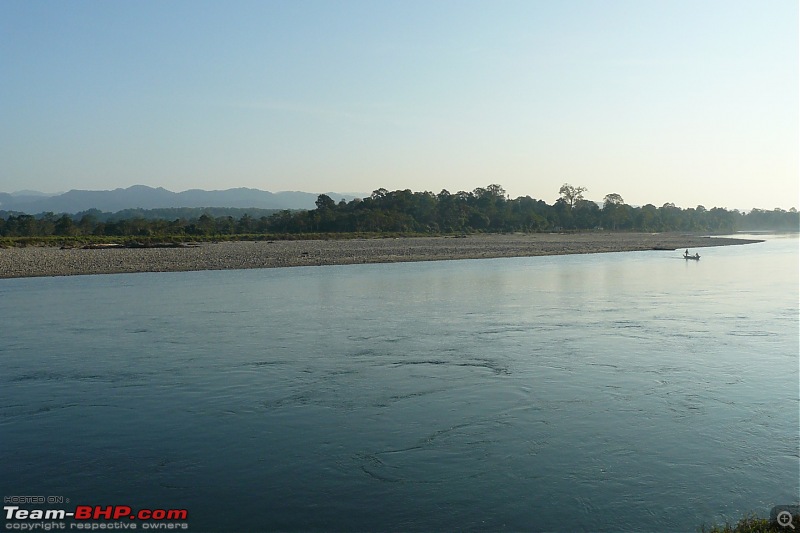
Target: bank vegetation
{"x":391,"y":213}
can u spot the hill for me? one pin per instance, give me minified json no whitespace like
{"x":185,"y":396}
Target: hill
{"x":144,"y":197}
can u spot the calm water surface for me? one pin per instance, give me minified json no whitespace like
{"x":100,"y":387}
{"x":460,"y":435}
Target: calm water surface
{"x":609,"y":392}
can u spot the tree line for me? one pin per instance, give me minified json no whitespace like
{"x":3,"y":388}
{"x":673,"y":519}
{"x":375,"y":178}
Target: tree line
{"x":486,"y":209}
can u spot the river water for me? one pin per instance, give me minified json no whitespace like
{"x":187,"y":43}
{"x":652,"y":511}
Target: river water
{"x":609,"y":392}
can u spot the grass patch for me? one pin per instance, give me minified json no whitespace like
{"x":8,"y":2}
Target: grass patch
{"x":748,"y":524}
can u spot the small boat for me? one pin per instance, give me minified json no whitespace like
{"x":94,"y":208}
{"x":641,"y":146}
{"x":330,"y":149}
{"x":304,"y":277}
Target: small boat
{"x":695,"y":257}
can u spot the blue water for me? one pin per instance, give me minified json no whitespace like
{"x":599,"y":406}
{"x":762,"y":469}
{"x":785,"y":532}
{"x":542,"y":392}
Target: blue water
{"x":609,"y":392}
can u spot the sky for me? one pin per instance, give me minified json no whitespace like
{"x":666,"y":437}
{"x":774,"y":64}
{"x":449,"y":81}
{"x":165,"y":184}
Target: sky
{"x":692,"y":102}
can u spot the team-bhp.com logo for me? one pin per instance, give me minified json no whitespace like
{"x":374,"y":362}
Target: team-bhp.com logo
{"x":94,"y":517}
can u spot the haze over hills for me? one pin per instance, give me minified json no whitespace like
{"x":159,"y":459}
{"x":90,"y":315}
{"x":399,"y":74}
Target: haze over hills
{"x":144,"y":197}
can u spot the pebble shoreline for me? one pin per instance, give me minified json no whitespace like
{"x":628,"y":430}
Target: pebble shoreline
{"x":35,"y":261}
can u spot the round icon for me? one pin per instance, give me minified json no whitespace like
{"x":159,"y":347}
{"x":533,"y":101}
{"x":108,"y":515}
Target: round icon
{"x":785,"y":519}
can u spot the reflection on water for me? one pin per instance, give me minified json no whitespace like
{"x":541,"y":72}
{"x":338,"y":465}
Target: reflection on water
{"x":632,"y":391}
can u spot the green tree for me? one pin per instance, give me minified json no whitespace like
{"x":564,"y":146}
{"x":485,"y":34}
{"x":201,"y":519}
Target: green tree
{"x":324,"y":202}
{"x":64,"y":226}
{"x":87,"y":224}
{"x":205,"y":224}
{"x":571,"y":195}
{"x":647,"y":218}
{"x":613,"y":212}
{"x":563,"y":214}
{"x":246,"y":224}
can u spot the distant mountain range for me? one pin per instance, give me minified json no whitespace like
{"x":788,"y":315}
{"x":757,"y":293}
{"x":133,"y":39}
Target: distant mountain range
{"x":143,"y":197}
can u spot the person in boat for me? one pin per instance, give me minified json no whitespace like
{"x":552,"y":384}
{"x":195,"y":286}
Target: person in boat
{"x":686,"y":253}
{"x":696,"y":255}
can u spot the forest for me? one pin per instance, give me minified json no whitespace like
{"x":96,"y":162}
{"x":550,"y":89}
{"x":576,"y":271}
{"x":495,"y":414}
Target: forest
{"x":486,"y":209}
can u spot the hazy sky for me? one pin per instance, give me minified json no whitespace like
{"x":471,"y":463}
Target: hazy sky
{"x":691,"y":102}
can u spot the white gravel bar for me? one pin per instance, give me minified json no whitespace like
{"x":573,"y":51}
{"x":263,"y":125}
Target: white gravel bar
{"x":35,"y":261}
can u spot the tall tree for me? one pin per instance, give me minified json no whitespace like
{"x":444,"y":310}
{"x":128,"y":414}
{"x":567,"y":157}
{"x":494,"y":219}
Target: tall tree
{"x":324,"y":202}
{"x":613,"y":212}
{"x":612,"y":199}
{"x":572,"y":195}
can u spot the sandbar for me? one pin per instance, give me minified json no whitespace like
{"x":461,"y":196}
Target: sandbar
{"x":35,"y":261}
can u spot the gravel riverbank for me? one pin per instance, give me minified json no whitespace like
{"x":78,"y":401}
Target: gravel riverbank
{"x":51,"y":261}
